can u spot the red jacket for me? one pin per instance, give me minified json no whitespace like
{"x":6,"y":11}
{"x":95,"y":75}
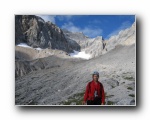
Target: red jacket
{"x":90,"y":89}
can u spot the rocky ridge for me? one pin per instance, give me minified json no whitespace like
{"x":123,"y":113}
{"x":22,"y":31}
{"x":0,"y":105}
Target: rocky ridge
{"x":34,"y":31}
{"x":97,"y":46}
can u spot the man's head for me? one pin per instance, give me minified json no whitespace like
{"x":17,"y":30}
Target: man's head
{"x":95,"y":75}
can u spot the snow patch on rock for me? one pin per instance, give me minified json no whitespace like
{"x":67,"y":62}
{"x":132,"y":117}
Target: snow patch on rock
{"x":82,"y":55}
{"x":25,"y":45}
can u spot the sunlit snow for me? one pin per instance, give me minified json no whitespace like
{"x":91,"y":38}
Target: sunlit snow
{"x":78,"y":54}
{"x":38,"y":48}
{"x":25,"y":45}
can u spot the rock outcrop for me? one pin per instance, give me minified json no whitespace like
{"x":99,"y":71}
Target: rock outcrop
{"x":76,"y":36}
{"x":125,"y":37}
{"x":97,"y":46}
{"x":34,"y":31}
{"x":93,"y":46}
{"x":54,"y":80}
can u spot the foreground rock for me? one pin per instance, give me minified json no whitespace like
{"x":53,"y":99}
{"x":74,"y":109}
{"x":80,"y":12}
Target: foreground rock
{"x":58,"y":84}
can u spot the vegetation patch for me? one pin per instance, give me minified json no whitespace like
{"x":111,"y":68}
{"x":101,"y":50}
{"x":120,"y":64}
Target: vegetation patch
{"x":110,"y":102}
{"x":129,"y":78}
{"x":109,"y":96}
{"x":76,"y":99}
{"x":131,"y":95}
{"x":129,"y":88}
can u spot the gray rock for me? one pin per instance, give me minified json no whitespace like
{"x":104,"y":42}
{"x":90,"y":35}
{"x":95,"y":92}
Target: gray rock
{"x":73,"y":103}
{"x":97,"y":46}
{"x":126,"y":102}
{"x":41,"y":85}
{"x":76,"y":36}
{"x":34,"y":31}
{"x":125,"y":37}
{"x":132,"y":102}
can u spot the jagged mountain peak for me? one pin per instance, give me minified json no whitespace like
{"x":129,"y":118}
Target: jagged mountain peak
{"x":124,"y":37}
{"x":37,"y":33}
{"x":76,"y":36}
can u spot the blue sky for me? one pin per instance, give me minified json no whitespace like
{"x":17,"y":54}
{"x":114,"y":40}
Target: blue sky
{"x":92,"y":25}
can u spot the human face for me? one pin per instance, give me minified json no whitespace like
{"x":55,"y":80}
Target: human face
{"x":95,"y":77}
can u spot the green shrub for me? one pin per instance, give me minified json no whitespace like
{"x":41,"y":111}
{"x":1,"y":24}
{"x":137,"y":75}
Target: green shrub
{"x":76,"y":98}
{"x":132,"y":95}
{"x":110,"y":103}
{"x":109,"y":96}
{"x":130,"y":88}
{"x":128,"y":78}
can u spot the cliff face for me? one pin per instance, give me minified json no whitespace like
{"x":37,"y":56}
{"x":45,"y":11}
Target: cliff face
{"x":97,"y":46}
{"x":93,"y":46}
{"x":34,"y":31}
{"x":125,"y":37}
{"x":76,"y":36}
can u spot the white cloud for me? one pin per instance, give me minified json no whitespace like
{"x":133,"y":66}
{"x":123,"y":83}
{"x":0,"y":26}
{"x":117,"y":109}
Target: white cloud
{"x":88,"y":31}
{"x":53,"y":17}
{"x":70,"y":26}
{"x":64,"y":17}
{"x":115,"y":32}
{"x":92,"y":32}
{"x":123,"y":26}
{"x":46,"y":18}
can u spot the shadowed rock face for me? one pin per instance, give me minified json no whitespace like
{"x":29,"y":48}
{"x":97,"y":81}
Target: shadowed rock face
{"x":34,"y":31}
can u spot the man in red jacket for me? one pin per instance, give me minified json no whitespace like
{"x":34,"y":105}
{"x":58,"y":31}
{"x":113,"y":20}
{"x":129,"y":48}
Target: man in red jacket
{"x":94,"y":94}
